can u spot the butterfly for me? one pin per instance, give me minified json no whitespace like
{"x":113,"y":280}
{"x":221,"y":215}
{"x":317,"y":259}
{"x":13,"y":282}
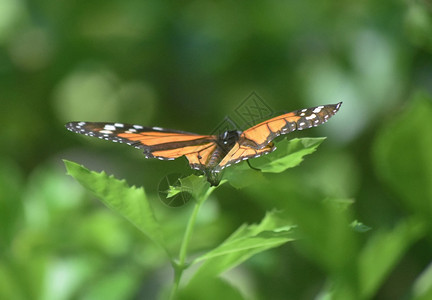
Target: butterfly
{"x":208,"y":153}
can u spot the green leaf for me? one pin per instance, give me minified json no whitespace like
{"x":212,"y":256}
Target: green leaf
{"x":325,"y":227}
{"x":359,"y":226}
{"x":383,"y":252}
{"x":22,"y":277}
{"x":422,"y":288}
{"x":121,"y":284}
{"x":197,"y":186}
{"x":130,"y":202}
{"x":328,"y":240}
{"x":403,"y":155}
{"x":246,"y":241}
{"x":289,"y":154}
{"x":209,"y":289}
{"x":242,"y":176}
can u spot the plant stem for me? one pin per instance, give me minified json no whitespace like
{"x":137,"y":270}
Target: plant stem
{"x":181,"y":266}
{"x":188,"y":234}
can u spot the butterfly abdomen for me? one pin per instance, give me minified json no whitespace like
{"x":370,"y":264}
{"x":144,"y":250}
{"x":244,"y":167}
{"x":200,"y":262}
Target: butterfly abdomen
{"x":215,"y":158}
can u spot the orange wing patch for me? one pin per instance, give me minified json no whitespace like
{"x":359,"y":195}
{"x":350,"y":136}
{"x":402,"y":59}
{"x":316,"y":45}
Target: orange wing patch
{"x":199,"y":158}
{"x":240,"y":152}
{"x":196,"y":155}
{"x":261,"y":134}
{"x":156,"y":138}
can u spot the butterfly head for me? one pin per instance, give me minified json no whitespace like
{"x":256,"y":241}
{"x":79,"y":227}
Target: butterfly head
{"x":227,"y":139}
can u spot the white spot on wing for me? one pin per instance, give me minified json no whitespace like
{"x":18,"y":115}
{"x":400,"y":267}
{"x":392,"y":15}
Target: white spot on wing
{"x":106,"y":132}
{"x":109,"y":127}
{"x":119,"y":125}
{"x":157,"y":128}
{"x":318,"y":109}
{"x":138,"y":127}
{"x":311,"y":117}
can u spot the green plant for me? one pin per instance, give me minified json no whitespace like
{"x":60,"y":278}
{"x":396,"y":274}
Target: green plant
{"x":356,"y":261}
{"x":248,"y":240}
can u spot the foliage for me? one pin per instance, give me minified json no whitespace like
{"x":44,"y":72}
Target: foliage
{"x":248,"y":240}
{"x":353,"y":222}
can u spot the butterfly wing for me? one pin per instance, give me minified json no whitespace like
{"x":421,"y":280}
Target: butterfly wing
{"x":203,"y":151}
{"x":156,"y":142}
{"x":256,"y":141}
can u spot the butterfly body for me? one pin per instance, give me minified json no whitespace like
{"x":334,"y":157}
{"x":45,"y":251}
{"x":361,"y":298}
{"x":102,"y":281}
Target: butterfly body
{"x":224,"y":143}
{"x":207,"y":153}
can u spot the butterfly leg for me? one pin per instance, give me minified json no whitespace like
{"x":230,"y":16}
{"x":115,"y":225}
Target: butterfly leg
{"x":252,"y":167}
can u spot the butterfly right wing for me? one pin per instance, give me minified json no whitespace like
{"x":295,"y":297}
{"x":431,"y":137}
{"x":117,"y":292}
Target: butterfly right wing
{"x":263,"y":133}
{"x":256,"y":141}
{"x":156,"y":142}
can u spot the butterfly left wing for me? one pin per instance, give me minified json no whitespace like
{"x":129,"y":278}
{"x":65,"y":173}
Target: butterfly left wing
{"x":165,"y":144}
{"x":256,"y":141}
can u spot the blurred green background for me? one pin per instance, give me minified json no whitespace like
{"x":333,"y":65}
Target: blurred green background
{"x":188,"y":65}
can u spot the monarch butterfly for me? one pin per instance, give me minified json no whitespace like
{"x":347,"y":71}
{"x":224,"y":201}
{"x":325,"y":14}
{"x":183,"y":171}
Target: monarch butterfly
{"x":208,"y":153}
